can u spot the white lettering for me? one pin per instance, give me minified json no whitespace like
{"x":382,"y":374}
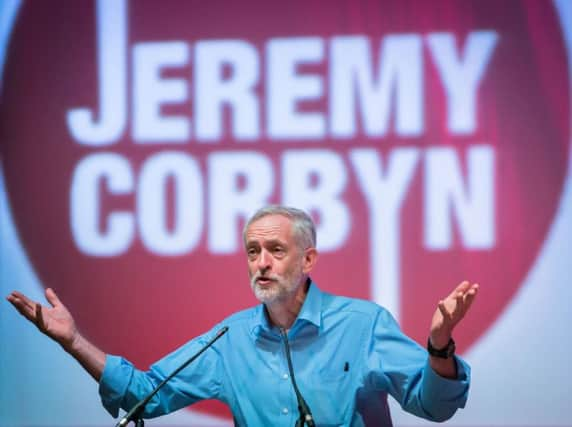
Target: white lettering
{"x":150,"y":91}
{"x":446,"y":193}
{"x":462,"y":76}
{"x":213,"y":91}
{"x":314,"y":180}
{"x":385,"y":192}
{"x":85,"y":205}
{"x":399,"y":77}
{"x":230,"y":200}
{"x":111,"y":60}
{"x":385,"y":96}
{"x":285,"y":88}
{"x":152,"y":203}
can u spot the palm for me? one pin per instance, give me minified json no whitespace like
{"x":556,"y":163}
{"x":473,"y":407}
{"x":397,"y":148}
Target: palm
{"x":57,"y":322}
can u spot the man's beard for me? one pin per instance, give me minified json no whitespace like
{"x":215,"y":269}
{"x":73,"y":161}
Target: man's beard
{"x":279,"y":289}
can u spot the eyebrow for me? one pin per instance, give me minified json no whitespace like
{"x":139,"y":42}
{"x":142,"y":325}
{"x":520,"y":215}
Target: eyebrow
{"x":266,"y":242}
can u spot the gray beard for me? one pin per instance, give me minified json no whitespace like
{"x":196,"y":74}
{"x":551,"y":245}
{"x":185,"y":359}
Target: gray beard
{"x":279,"y":290}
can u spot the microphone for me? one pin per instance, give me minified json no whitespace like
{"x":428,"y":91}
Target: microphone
{"x":305,"y":413}
{"x":133,"y":414}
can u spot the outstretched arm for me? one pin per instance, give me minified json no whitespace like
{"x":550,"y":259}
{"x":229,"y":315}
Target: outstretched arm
{"x":449,"y":313}
{"x":57,"y":323}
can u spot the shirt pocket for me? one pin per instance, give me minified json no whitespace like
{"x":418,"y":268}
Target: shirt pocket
{"x":331,"y":399}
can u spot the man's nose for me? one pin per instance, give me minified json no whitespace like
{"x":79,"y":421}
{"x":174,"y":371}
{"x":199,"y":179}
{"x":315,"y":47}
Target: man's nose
{"x":264,"y":261}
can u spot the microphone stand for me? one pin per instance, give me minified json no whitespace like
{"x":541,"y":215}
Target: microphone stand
{"x":306,"y":417}
{"x":135,"y":413}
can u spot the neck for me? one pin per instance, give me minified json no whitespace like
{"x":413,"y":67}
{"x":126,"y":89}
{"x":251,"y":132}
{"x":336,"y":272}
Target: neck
{"x":283,"y":313}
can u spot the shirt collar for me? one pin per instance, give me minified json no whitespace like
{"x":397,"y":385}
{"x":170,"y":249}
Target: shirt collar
{"x":311,"y":312}
{"x":312,"y":308}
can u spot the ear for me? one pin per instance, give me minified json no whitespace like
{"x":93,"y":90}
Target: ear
{"x":309,"y":260}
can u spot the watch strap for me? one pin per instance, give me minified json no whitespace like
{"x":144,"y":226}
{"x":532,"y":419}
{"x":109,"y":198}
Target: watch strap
{"x":443,"y":353}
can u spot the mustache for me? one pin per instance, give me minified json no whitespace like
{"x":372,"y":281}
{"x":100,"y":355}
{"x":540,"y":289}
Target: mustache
{"x":259,"y":275}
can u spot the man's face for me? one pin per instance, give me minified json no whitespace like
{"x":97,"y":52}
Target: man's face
{"x":275,"y":262}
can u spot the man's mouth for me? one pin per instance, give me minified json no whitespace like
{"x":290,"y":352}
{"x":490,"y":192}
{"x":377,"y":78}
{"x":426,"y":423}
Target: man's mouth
{"x":264,"y":281}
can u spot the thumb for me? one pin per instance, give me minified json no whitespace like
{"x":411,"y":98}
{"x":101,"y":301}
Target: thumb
{"x":443,"y":310}
{"x":53,"y":298}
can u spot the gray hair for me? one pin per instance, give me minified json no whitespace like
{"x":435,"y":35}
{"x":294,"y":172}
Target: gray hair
{"x":302,"y":225}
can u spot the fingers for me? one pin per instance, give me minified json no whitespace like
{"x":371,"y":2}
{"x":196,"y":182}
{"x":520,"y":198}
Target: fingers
{"x":21,"y":301}
{"x":451,"y":310}
{"x":30,"y":309}
{"x":25,"y":306}
{"x":460,"y":297}
{"x":40,"y":318}
{"x":443,"y":309}
{"x":456,"y":304}
{"x":470,"y":296}
{"x":21,"y":297}
{"x":463,"y":287}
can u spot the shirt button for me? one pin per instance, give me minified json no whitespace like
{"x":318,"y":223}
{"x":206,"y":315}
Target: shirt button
{"x":285,"y":376}
{"x":284,"y":410}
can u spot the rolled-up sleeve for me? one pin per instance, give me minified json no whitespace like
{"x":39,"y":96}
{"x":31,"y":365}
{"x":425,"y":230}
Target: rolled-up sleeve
{"x":400,"y":367}
{"x":122,"y":385}
{"x":113,"y":383}
{"x":443,"y":396}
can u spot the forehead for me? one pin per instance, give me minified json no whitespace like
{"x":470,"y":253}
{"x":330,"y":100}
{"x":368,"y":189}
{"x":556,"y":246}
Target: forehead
{"x":270,"y":227}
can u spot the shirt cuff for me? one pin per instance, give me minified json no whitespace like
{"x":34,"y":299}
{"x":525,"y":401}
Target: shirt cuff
{"x":450,"y":390}
{"x":113,"y":384}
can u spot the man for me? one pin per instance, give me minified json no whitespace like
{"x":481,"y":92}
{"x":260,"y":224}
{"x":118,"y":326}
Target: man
{"x":347,"y":354}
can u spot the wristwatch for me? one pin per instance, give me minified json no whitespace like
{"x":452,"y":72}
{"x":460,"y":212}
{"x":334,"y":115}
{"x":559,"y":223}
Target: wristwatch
{"x":443,"y":353}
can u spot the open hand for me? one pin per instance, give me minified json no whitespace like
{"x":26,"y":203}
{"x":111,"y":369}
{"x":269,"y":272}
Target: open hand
{"x":451,"y":311}
{"x":55,"y":321}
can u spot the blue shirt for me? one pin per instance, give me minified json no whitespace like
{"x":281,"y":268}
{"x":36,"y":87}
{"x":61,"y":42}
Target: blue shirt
{"x":347,"y":354}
